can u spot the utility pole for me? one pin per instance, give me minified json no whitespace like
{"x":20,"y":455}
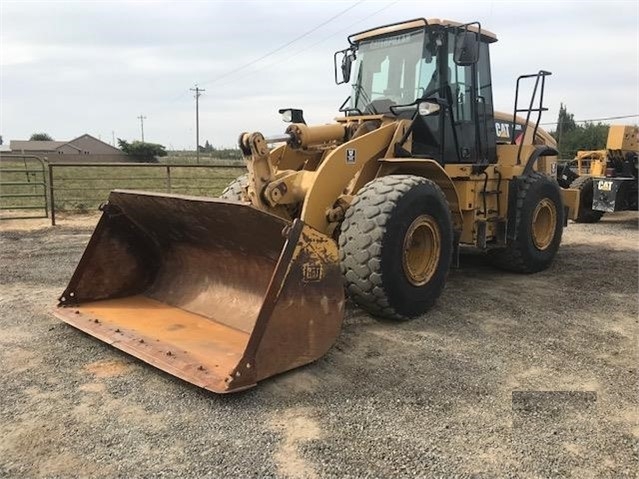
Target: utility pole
{"x":113,"y":137}
{"x":198,"y":93}
{"x":142,"y":118}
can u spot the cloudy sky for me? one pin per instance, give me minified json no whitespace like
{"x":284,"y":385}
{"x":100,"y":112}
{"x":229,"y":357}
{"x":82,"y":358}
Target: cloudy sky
{"x":67,"y":68}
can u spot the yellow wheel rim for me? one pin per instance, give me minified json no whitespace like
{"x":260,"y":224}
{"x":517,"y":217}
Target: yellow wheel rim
{"x":422,"y":249}
{"x":544,"y":224}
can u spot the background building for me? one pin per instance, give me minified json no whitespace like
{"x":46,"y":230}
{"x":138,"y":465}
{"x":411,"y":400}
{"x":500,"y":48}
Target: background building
{"x":85,"y":148}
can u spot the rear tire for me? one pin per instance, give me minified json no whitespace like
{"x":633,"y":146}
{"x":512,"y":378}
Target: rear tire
{"x":586,"y":187}
{"x":236,"y":190}
{"x":539,"y":222}
{"x":396,"y":244}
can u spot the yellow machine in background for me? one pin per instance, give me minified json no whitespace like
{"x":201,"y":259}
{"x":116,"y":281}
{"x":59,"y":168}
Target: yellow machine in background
{"x":226,"y":292}
{"x":607,"y":179}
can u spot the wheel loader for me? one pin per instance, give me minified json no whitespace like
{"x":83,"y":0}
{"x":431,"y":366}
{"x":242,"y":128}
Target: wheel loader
{"x":608,"y":180}
{"x":225,"y":292}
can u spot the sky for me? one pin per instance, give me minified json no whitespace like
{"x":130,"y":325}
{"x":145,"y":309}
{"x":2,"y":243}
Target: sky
{"x":69,"y":68}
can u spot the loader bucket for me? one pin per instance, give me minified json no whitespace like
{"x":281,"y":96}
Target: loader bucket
{"x":217,"y":293}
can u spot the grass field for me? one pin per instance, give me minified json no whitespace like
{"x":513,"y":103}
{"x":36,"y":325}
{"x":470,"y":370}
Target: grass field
{"x":77,"y":188}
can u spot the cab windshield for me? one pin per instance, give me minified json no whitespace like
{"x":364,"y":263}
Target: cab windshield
{"x":393,"y":71}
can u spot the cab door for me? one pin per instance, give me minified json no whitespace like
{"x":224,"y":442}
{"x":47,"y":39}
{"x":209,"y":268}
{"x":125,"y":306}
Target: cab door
{"x":468,"y":89}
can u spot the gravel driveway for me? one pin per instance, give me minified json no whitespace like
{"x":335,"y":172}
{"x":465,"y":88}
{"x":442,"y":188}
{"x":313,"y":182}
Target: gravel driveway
{"x":509,"y":375}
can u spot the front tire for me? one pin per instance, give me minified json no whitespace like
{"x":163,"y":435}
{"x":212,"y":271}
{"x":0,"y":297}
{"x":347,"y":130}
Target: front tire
{"x":236,"y":190}
{"x":396,"y":244}
{"x":539,"y":221}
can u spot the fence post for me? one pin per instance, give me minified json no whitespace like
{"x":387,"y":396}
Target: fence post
{"x":51,"y":194}
{"x":168,"y":178}
{"x":44,"y":192}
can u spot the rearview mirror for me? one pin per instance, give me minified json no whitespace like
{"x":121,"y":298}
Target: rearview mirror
{"x":345,"y":65}
{"x":466,"y":48}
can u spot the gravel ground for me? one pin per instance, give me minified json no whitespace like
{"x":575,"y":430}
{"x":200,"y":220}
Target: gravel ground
{"x":520,"y":376}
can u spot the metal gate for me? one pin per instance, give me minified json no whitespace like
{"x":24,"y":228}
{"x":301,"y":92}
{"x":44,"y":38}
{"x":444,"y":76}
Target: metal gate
{"x":23,"y":187}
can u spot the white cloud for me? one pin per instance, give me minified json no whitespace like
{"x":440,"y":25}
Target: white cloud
{"x":16,"y":53}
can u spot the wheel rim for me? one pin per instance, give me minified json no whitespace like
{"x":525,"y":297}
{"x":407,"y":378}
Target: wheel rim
{"x":544,"y":224}
{"x":422,"y":249}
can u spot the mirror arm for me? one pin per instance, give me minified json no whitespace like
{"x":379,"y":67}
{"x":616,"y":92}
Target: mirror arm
{"x":348,"y":110}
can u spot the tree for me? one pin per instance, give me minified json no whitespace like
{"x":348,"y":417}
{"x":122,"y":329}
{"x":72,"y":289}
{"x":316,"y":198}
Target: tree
{"x":142,"y":152}
{"x":40,"y":137}
{"x":565,"y":121}
{"x":572,"y":137}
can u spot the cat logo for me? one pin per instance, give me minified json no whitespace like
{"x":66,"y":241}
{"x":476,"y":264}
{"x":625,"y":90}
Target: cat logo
{"x":350,"y":156}
{"x":312,"y":272}
{"x":604,"y":185}
{"x":502,"y":130}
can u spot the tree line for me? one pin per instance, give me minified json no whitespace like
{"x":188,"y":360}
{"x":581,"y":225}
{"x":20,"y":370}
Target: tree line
{"x":572,"y":136}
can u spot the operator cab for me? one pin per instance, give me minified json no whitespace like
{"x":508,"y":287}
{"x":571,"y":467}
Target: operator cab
{"x":436,"y":72}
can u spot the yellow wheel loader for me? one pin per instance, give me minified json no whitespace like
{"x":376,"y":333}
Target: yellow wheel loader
{"x":608,"y":180}
{"x":224,"y":293}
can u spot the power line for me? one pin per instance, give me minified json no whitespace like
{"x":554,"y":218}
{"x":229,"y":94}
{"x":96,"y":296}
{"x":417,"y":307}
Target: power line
{"x":595,"y":119}
{"x":181,"y":95}
{"x":376,"y":12}
{"x":282,"y":47}
{"x":289,"y":57}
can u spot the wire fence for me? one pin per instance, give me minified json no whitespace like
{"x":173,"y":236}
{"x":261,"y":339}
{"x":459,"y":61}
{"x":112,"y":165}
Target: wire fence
{"x":82,"y":187}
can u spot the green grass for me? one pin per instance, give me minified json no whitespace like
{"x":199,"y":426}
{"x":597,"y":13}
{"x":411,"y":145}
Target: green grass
{"x":82,"y":189}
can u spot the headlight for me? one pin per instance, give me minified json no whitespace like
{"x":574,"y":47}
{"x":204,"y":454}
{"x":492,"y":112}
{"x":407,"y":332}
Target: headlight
{"x":427,"y":108}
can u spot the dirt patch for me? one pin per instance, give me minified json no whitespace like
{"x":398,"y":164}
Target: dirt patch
{"x":92,"y":388}
{"x":62,"y":219}
{"x":296,"y":427}
{"x":107,"y":369}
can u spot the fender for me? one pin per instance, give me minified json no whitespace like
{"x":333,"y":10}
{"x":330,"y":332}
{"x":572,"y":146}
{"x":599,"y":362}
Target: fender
{"x":337,"y":171}
{"x":540,"y":151}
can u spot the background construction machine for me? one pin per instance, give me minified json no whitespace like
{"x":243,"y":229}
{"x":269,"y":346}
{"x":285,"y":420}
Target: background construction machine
{"x":226,"y":292}
{"x":608,"y":179}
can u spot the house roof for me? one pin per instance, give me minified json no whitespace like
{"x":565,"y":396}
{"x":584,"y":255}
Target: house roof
{"x":86,"y":135}
{"x":28,"y":145}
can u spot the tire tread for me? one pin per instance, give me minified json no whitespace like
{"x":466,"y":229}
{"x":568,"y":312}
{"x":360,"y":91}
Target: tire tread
{"x":512,"y":258}
{"x":360,"y":241}
{"x":236,"y":190}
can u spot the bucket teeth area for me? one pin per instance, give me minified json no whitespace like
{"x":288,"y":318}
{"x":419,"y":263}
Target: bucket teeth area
{"x":197,"y":349}
{"x":219,"y":294}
